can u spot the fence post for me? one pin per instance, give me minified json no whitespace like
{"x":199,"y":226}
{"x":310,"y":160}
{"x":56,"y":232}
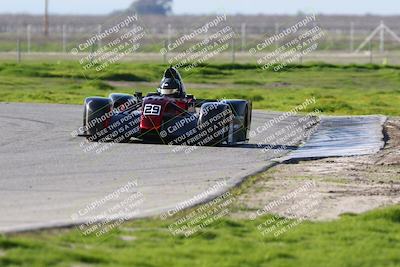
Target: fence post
{"x":382,"y":38}
{"x":351,"y":36}
{"x":166,"y":49}
{"x":276,"y":33}
{"x":99,"y":29}
{"x":28,"y":37}
{"x":18,"y":51}
{"x":370,"y":52}
{"x":64,"y":38}
{"x":233,"y":51}
{"x":169,"y":33}
{"x":243,"y":36}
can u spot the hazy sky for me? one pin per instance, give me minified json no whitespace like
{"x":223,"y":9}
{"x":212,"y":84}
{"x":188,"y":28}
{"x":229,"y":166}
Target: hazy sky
{"x":213,"y":6}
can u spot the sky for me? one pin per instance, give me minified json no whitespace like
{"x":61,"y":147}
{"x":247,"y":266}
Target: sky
{"x":382,"y":7}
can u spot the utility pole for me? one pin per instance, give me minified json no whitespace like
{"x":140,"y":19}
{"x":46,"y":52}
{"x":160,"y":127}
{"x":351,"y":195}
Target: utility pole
{"x":46,"y":17}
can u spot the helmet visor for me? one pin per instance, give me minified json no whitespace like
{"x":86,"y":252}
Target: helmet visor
{"x":169,"y":91}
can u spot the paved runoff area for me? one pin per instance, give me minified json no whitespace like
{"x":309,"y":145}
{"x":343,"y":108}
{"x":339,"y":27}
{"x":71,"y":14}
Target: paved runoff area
{"x":343,"y":137}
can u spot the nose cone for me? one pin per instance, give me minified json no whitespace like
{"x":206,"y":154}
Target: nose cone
{"x":152,"y":113}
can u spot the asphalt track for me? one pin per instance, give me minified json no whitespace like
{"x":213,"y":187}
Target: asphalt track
{"x":47,"y":179}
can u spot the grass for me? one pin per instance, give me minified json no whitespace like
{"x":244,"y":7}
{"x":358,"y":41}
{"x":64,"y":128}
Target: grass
{"x":338,"y":89}
{"x":370,"y":239}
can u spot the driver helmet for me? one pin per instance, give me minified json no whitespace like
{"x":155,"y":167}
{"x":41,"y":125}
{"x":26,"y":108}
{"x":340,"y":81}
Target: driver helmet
{"x":170,"y":86}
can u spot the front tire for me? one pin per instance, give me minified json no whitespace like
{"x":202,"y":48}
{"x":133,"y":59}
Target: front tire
{"x":97,"y":116}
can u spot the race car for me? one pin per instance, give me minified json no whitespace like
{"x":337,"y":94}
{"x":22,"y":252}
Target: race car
{"x":168,"y":116}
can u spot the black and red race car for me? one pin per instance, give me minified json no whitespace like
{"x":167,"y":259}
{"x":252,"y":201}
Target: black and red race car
{"x":169,"y":116}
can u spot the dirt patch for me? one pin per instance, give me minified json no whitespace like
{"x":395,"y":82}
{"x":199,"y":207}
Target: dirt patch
{"x":278,"y":85}
{"x":340,"y":185}
{"x":127,"y":238}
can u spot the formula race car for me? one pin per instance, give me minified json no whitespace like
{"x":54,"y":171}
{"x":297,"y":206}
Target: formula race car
{"x":169,"y":116}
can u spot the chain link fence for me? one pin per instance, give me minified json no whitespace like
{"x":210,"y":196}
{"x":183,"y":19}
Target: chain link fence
{"x":24,"y":35}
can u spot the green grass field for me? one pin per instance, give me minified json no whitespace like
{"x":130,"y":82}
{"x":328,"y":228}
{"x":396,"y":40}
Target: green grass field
{"x":371,"y":239}
{"x":350,"y":89}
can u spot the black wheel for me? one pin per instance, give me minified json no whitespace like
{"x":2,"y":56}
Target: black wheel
{"x":97,"y":116}
{"x":241,"y":110}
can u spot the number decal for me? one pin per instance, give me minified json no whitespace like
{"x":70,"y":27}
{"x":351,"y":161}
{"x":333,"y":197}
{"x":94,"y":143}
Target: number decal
{"x":152,"y":110}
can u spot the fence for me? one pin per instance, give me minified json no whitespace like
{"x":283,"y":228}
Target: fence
{"x":355,"y":37}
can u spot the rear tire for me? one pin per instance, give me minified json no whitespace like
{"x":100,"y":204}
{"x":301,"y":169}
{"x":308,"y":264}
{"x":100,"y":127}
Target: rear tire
{"x":213,"y":121}
{"x":241,"y":110}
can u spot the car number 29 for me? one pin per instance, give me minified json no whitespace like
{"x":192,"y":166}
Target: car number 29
{"x":150,"y":109}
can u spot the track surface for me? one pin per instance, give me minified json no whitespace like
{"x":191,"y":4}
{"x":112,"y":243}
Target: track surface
{"x":46,"y":177}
